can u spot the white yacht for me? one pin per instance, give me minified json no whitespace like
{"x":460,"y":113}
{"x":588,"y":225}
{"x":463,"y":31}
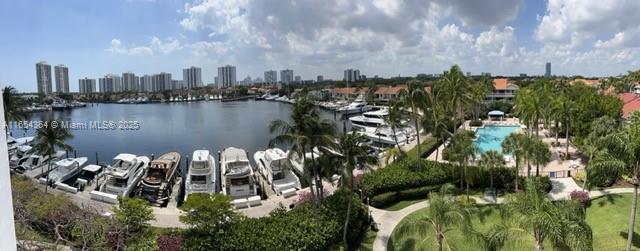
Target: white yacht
{"x":237,"y":174}
{"x":384,"y":136}
{"x":271,"y":97}
{"x":18,"y":153}
{"x":33,"y":161}
{"x":201,"y":176}
{"x":357,"y":106}
{"x":65,"y":169}
{"x":123,"y":175}
{"x":373,"y":119}
{"x":13,"y":143}
{"x":276,"y":169}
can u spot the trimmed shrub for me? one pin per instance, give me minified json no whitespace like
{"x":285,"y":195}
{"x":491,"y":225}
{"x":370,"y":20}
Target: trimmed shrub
{"x":544,"y":182}
{"x":387,"y":199}
{"x":404,"y":174}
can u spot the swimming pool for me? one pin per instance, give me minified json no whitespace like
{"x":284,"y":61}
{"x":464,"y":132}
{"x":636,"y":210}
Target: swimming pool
{"x":490,"y":137}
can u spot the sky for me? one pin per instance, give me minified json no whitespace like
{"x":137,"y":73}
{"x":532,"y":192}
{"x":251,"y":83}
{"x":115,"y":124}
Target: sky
{"x":323,"y":37}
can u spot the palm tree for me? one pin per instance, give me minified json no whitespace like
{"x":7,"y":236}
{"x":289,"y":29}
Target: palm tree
{"x":413,"y":97}
{"x":478,"y":93}
{"x":50,"y":137}
{"x":457,"y":91}
{"x":394,"y":121}
{"x":13,"y":104}
{"x":590,"y":146}
{"x":491,"y":160}
{"x":352,"y":151}
{"x":461,"y":149}
{"x":562,"y":222}
{"x":539,"y":153}
{"x":515,"y":144}
{"x":435,"y":119}
{"x":622,"y":156}
{"x":443,"y":214}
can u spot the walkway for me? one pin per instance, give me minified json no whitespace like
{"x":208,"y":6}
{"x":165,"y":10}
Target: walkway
{"x":387,"y":220}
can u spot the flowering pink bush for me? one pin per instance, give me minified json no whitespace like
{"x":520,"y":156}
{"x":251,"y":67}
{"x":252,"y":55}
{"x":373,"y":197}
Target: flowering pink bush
{"x":305,"y":196}
{"x":580,"y":196}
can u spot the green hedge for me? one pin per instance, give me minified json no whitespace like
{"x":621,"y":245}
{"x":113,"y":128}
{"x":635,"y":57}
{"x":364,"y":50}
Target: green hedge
{"x":296,"y":229}
{"x":387,"y":199}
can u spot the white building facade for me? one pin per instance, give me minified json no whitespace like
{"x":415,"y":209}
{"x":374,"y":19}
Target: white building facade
{"x":62,"y":78}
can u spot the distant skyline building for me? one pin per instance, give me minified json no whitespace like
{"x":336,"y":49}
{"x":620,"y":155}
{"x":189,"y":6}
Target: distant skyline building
{"x":320,"y":78}
{"x":62,"y":78}
{"x":86,"y":85}
{"x":192,"y":77}
{"x":270,"y":77}
{"x":130,"y":82}
{"x":43,"y":77}
{"x":177,"y":84}
{"x":286,"y":76}
{"x":145,"y":83}
{"x":351,"y":75}
{"x":161,"y":82}
{"x":226,"y":76}
{"x":547,"y":70}
{"x":110,"y":83}
{"x":298,"y":78}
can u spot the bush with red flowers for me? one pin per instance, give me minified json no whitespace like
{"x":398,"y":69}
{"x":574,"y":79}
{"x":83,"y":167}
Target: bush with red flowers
{"x":580,"y":196}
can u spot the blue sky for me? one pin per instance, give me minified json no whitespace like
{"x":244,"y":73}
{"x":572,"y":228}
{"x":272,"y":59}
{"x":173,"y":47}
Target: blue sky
{"x":380,"y":37}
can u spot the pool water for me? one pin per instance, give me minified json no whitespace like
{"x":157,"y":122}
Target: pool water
{"x":490,"y":137}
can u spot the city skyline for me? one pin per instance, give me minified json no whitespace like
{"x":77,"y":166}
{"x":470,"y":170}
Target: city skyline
{"x":384,"y":38}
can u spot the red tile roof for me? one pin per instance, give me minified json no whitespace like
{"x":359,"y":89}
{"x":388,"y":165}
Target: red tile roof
{"x":349,"y":90}
{"x":630,"y":103}
{"x":500,"y":83}
{"x":393,"y":90}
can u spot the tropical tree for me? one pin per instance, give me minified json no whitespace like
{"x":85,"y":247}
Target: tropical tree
{"x":394,"y":121}
{"x":352,"y":151}
{"x":539,"y":152}
{"x":561,"y":222}
{"x":589,"y":146}
{"x":457,"y":92}
{"x":515,"y":144}
{"x":443,"y":214}
{"x":461,"y":150}
{"x":49,"y":137}
{"x":622,"y":157}
{"x":435,"y":119}
{"x":413,"y":97}
{"x":478,"y":93}
{"x":491,"y":160}
{"x":13,"y":104}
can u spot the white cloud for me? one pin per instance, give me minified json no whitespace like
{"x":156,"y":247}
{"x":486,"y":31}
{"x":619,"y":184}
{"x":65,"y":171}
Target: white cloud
{"x":117,"y":47}
{"x":155,"y":45}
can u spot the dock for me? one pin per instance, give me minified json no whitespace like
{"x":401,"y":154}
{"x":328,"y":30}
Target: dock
{"x":241,"y":98}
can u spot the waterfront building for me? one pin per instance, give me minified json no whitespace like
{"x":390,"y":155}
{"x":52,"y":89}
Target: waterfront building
{"x":286,"y":76}
{"x":62,"y":78}
{"x":129,"y":82}
{"x":86,"y":85}
{"x":270,"y":77}
{"x":145,"y":83}
{"x":177,"y":84}
{"x":547,"y":70}
{"x":389,"y":93}
{"x":226,"y":76}
{"x":110,"y":83}
{"x":320,"y":78}
{"x":161,"y":82}
{"x":43,"y":77}
{"x":351,"y":75}
{"x":192,"y":77}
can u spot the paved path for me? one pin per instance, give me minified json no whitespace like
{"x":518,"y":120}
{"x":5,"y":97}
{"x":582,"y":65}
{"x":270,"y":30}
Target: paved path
{"x":387,"y":220}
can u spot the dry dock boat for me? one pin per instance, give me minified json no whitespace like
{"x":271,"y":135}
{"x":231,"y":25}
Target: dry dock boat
{"x":158,"y":180}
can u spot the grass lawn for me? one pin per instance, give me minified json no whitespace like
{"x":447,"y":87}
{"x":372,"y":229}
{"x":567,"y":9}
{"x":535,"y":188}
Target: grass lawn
{"x":402,"y":204}
{"x":425,"y":143}
{"x":607,"y":216}
{"x":367,"y":241}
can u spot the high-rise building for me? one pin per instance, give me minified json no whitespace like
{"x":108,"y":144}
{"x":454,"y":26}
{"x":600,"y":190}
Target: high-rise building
{"x":161,"y":82}
{"x":320,"y":78}
{"x":192,"y":77}
{"x":62,"y":78}
{"x":286,"y":76}
{"x":547,"y":70}
{"x":298,"y":78}
{"x":226,"y":76}
{"x":177,"y":84}
{"x":130,"y":82}
{"x":110,"y":83}
{"x":270,"y":77}
{"x":145,"y":83}
{"x":351,"y":75}
{"x":43,"y":76}
{"x":86,"y":85}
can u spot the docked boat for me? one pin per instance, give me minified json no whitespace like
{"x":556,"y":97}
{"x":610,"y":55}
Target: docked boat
{"x":201,"y":176}
{"x":65,"y":169}
{"x":237,"y":178}
{"x":14,"y":143}
{"x":383,"y":136}
{"x":59,"y":106}
{"x":271,"y":97}
{"x":121,"y":177}
{"x":373,"y":119}
{"x":18,"y":154}
{"x":274,"y":166}
{"x":157,"y":181}
{"x":34,"y":161}
{"x":357,"y":106}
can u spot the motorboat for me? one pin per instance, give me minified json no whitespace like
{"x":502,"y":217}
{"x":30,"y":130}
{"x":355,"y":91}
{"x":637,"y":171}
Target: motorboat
{"x":13,"y":143}
{"x":357,"y":106}
{"x":201,"y":176}
{"x":34,"y":161}
{"x":157,"y":181}
{"x":65,"y":169}
{"x":373,"y":119}
{"x":122,"y":176}
{"x":271,"y":97}
{"x":18,"y":154}
{"x":59,"y":106}
{"x":88,"y":174}
{"x":384,"y":136}
{"x":237,"y":180}
{"x":276,"y":168}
